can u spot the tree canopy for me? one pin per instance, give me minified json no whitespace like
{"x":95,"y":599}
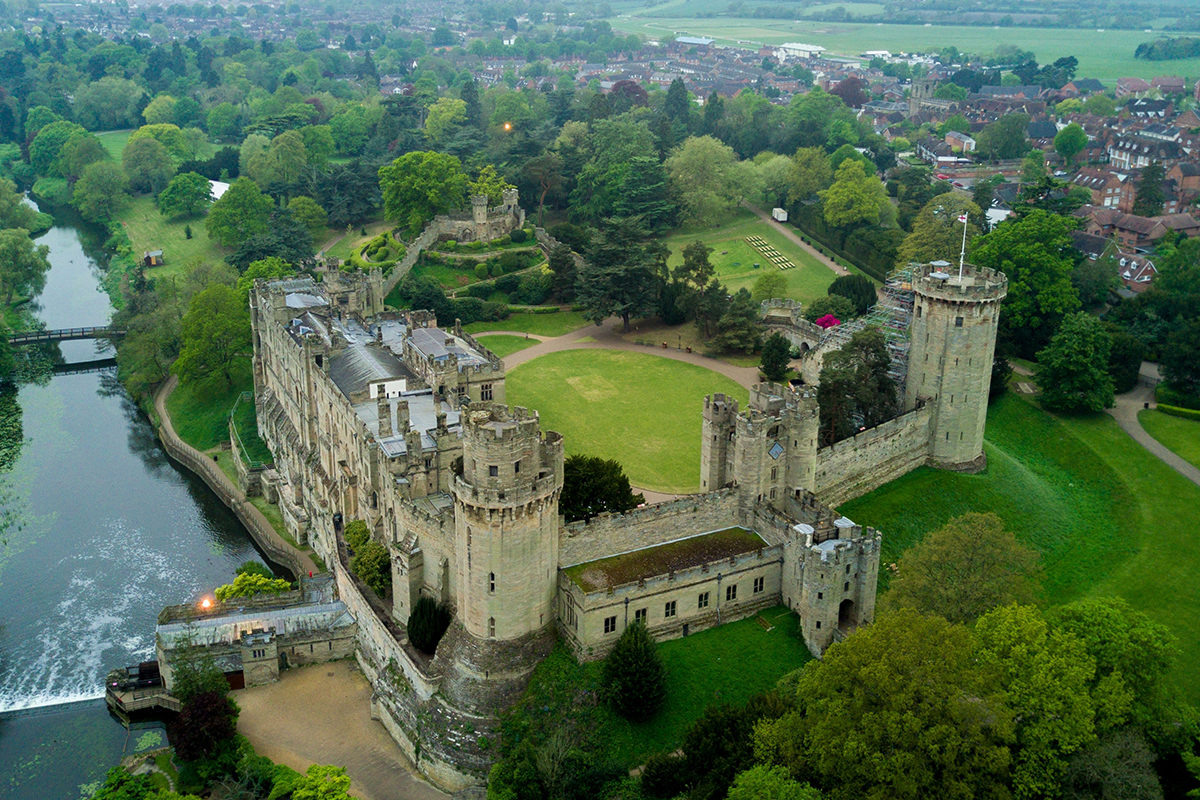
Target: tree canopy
{"x":419,"y":185}
{"x":593,"y":485}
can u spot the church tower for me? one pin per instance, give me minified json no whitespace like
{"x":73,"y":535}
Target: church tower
{"x":953,"y":340}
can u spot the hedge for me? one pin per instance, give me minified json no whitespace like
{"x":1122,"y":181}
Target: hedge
{"x":1176,"y":411}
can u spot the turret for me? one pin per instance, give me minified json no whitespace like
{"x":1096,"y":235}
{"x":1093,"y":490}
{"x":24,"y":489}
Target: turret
{"x":479,"y":208}
{"x":953,"y":340}
{"x":720,"y":412}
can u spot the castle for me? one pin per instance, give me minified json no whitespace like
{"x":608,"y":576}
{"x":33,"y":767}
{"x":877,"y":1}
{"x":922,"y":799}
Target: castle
{"x":390,"y":418}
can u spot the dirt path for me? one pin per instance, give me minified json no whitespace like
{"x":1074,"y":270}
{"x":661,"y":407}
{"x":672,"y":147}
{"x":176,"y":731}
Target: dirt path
{"x":321,"y":715}
{"x":512,"y":333}
{"x":796,"y":240}
{"x":325,"y":248}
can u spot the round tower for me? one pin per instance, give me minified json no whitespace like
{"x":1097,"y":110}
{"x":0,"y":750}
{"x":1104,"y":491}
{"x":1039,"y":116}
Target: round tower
{"x":506,"y":518}
{"x":953,"y":339}
{"x":479,"y":208}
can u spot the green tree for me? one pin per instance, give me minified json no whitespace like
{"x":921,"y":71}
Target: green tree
{"x":15,"y":212}
{"x":287,"y":157}
{"x":249,"y":584}
{"x":642,"y":192}
{"x":769,"y":284}
{"x":854,"y":386}
{"x":167,"y":134}
{"x":1070,"y":142}
{"x":904,"y":695}
{"x":936,"y":232}
{"x":101,"y":192}
{"x":427,"y":623}
{"x":1073,"y":369}
{"x":318,"y":144}
{"x":23,"y":265}
{"x":373,"y":565}
{"x":222,"y":121}
{"x":811,"y":174}
{"x":1181,"y":359}
{"x":205,"y":722}
{"x":737,"y":327}
{"x":45,"y":148}
{"x":444,"y":118}
{"x":593,"y":485}
{"x":160,"y":110}
{"x":37,"y":118}
{"x":545,"y":172}
{"x":323,"y":783}
{"x":633,"y":677}
{"x":419,"y":185}
{"x":774,"y":178}
{"x":239,"y":214}
{"x":562,"y":263}
{"x":78,"y":152}
{"x":677,"y":106}
{"x":187,"y":195}
{"x":1124,"y":359}
{"x":964,"y":569}
{"x":1149,"y":199}
{"x":1004,"y":138}
{"x":108,"y":103}
{"x":776,"y":358}
{"x":617,"y":277}
{"x":215,"y":333}
{"x":858,"y":289}
{"x":764,"y":782}
{"x":148,"y":165}
{"x":490,"y":185}
{"x":1101,"y":105}
{"x":854,"y":196}
{"x":1037,"y":255}
{"x":956,"y":123}
{"x":1033,"y":168}
{"x":708,"y":179}
{"x":839,"y":306}
{"x":306,"y":211}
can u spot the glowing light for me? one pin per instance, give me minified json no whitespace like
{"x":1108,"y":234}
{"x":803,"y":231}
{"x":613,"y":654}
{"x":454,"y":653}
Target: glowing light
{"x":508,"y":126}
{"x":206,"y":603}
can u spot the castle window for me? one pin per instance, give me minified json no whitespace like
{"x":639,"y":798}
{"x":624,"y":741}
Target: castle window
{"x":703,"y":601}
{"x":774,"y":472}
{"x":258,"y":653}
{"x":772,"y":494}
{"x":491,"y":627}
{"x":640,"y":616}
{"x":485,"y":391}
{"x":947,"y":436}
{"x":491,"y":583}
{"x":847,"y":569}
{"x":758,"y":584}
{"x":731,"y":593}
{"x":429,"y":463}
{"x":958,"y":321}
{"x":610,"y":624}
{"x":669,"y":609}
{"x":516,"y":467}
{"x":918,"y":312}
{"x":818,"y":624}
{"x":493,"y":471}
{"x":820,"y":595}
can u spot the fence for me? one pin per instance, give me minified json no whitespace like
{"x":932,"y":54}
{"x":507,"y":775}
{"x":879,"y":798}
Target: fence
{"x":237,"y":434}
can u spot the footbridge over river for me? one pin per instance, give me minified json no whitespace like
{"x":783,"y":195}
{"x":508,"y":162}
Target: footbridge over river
{"x":64,"y":335}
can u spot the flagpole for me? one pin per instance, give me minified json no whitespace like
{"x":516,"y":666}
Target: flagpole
{"x":962,"y":256}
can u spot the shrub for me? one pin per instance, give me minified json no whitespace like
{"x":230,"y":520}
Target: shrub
{"x":449,"y":245}
{"x":662,"y":776}
{"x":501,"y":241}
{"x":474,"y":245}
{"x":254,"y":568}
{"x":633,"y":677}
{"x":481,"y":290}
{"x":373,"y":566}
{"x":427,"y":624}
{"x":481,"y":271}
{"x":858,"y":289}
{"x":357,"y":534}
{"x":518,"y":236}
{"x":248,"y":584}
{"x":508,"y":284}
{"x":1175,"y":411}
{"x":1172,"y":397}
{"x":534,"y":288}
{"x":573,"y":236}
{"x":513,"y":262}
{"x":834,"y":304}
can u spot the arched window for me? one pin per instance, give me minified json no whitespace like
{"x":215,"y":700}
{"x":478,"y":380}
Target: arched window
{"x":491,"y":627}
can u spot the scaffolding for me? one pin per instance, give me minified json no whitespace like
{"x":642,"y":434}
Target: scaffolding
{"x":892,"y":316}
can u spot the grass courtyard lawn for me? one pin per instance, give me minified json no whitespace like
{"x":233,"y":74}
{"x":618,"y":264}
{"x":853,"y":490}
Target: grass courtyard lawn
{"x":201,"y":415}
{"x":639,"y":409}
{"x":1180,"y":436}
{"x":150,"y":230}
{"x":555,"y":324}
{"x":727,"y":664}
{"x":1109,"y":518}
{"x":504,"y":345}
{"x":734,"y":259}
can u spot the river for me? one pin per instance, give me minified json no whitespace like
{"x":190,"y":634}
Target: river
{"x":113,"y":531}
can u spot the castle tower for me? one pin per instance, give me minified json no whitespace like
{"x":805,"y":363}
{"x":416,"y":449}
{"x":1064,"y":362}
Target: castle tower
{"x":804,"y":422}
{"x":716,"y":440}
{"x":953,"y":339}
{"x":839,"y":572}
{"x":479,"y":208}
{"x":506,"y":517}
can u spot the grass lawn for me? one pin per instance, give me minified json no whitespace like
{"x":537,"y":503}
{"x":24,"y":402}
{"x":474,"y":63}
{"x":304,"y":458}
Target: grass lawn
{"x":734,"y":259}
{"x":642,"y":410}
{"x":114,"y":142}
{"x":556,"y":324}
{"x":505,"y":345}
{"x":653,"y":332}
{"x":353,"y":241}
{"x":150,"y":230}
{"x":201,"y":416}
{"x":1107,"y":516}
{"x":728,"y":664}
{"x":1180,"y":436}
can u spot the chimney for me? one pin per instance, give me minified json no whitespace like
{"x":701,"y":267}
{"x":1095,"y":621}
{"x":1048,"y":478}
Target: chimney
{"x":402,"y":415}
{"x":385,"y":415}
{"x":441,"y":420}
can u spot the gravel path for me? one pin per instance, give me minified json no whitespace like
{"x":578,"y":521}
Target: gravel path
{"x":1126,"y":414}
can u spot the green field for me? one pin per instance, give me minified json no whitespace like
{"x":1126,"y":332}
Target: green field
{"x":734,"y":259}
{"x":201,"y":415}
{"x":504,"y":345}
{"x":1106,"y":55}
{"x":556,"y":324}
{"x":1180,"y":436}
{"x":150,"y":230}
{"x":640,"y":409}
{"x":114,"y":142}
{"x":1107,"y":516}
{"x":727,"y":664}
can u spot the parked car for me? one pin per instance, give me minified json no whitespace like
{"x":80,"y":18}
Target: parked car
{"x":942,"y":177}
{"x":959,"y":184}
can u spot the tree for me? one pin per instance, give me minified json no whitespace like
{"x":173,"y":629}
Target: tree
{"x":427,"y":623}
{"x":45,"y":148}
{"x":1124,"y":359}
{"x":249,"y":584}
{"x":593,"y":485}
{"x":373,"y":566}
{"x":855,"y":390}
{"x":764,"y":782}
{"x":904,"y":696}
{"x":222,"y":121}
{"x":205,"y":721}
{"x":858,"y":289}
{"x":769,"y":284}
{"x":1033,"y":168}
{"x":16,"y":213}
{"x":956,"y":123}
{"x":160,"y":110}
{"x":776,"y":358}
{"x":1120,"y":765}
{"x":322,"y":783}
{"x":1073,"y":370}
{"x":78,"y":152}
{"x":811,"y":174}
{"x":617,"y":278}
{"x":1004,"y":138}
{"x":167,"y":134}
{"x":318,"y":144}
{"x":419,"y":185}
{"x":677,"y":104}
{"x":108,"y":103}
{"x":854,"y":196}
{"x":1037,"y":255}
{"x":737,"y":327}
{"x":187,"y":195}
{"x":633,"y":677}
{"x":837,"y":305}
{"x":984,"y":191}
{"x":443,"y":118}
{"x":708,"y":179}
{"x":285,"y":238}
{"x":1070,"y":142}
{"x":1181,"y":359}
{"x":774,"y":177}
{"x":642,"y":192}
{"x":101,"y":192}
{"x":1149,"y":199}
{"x":215,"y":332}
{"x":851,"y":91}
{"x":306,"y":211}
{"x":964,"y":569}
{"x":545,"y":172}
{"x":1101,"y":105}
{"x":23,"y":265}
{"x":287,"y":157}
{"x":239,"y":214}
{"x":490,"y":185}
{"x":148,"y":165}
{"x":937,"y":233}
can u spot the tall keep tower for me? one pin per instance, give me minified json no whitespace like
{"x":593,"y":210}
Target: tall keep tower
{"x":506,"y":519}
{"x":953,"y":341}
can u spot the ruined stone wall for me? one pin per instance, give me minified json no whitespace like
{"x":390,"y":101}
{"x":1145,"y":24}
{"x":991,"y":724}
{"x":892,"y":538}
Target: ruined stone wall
{"x":855,"y":466}
{"x":611,"y":534}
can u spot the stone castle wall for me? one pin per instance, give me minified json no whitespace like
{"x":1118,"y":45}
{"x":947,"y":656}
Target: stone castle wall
{"x":852,"y":467}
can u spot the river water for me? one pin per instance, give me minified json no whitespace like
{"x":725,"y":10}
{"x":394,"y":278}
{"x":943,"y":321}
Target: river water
{"x":113,"y":531}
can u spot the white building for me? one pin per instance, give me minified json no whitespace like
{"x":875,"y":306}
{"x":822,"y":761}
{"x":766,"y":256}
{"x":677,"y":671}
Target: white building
{"x":798,"y":50}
